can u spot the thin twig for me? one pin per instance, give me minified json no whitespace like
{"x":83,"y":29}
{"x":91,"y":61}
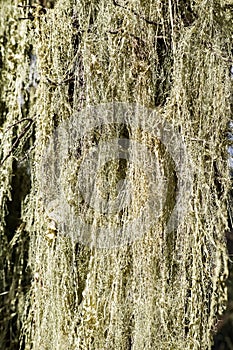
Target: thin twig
{"x":18,"y":122}
{"x":20,"y":161}
{"x":23,"y":18}
{"x":67,"y":80}
{"x":135,"y":13}
{"x":27,"y":6}
{"x":17,"y":141}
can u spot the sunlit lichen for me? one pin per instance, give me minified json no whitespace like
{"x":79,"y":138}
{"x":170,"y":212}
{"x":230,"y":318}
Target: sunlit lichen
{"x":164,"y":290}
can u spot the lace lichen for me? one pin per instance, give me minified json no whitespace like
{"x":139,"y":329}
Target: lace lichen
{"x":165,"y":289}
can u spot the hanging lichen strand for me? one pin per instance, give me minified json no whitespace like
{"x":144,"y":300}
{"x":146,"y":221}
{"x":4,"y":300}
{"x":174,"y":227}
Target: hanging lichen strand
{"x":163,"y":289}
{"x":15,"y":134}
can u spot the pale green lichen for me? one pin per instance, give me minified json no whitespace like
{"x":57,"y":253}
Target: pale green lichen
{"x":164,"y":290}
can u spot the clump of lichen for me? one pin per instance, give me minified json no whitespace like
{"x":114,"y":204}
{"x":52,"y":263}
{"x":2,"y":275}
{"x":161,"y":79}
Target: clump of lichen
{"x":164,"y":289}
